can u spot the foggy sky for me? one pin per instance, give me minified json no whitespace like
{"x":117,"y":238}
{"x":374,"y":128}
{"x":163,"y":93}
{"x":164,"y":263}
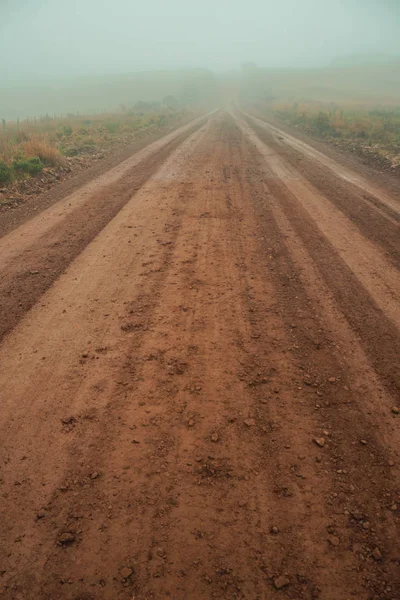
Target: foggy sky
{"x":47,"y":38}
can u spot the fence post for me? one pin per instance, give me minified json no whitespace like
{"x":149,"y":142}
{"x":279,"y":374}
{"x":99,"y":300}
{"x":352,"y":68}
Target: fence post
{"x":4,"y":124}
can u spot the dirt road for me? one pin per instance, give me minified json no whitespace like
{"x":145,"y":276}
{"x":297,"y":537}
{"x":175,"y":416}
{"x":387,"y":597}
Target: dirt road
{"x":200,"y":378}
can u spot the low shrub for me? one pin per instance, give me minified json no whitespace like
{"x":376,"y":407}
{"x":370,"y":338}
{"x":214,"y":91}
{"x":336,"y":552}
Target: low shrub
{"x":112,"y":127}
{"x":5,"y":173}
{"x":322,"y":123}
{"x":32,"y":166}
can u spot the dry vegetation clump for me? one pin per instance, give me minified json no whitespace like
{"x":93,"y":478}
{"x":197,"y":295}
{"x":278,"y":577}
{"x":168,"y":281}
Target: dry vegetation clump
{"x":43,"y":149}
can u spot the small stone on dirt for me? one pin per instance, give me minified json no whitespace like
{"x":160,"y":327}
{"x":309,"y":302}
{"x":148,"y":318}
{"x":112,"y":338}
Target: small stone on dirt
{"x":214,"y":437}
{"x":95,"y":475}
{"x":395,"y":410}
{"x":334,"y":540}
{"x":281,"y":582}
{"x":319,"y":442}
{"x":274,"y":530}
{"x":190,"y":423}
{"x":126,"y":572}
{"x":67,"y":538}
{"x":376,"y":554}
{"x":249,"y":422}
{"x":332,"y":379}
{"x":68,"y":420}
{"x":363,"y":442}
{"x":358,"y":516}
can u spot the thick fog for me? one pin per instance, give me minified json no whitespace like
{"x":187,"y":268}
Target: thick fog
{"x":63,"y":38}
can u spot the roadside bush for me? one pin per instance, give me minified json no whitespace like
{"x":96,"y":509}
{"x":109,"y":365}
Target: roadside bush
{"x":5,"y":173}
{"x":67,"y":130}
{"x":112,"y":127}
{"x":322,"y":123}
{"x":32,"y":166}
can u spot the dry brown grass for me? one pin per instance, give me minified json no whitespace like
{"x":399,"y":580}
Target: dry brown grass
{"x":351,"y":121}
{"x":48,"y":154}
{"x":4,"y":149}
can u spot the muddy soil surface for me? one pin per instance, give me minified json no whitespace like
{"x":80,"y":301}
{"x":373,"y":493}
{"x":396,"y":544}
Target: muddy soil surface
{"x":200,"y":378}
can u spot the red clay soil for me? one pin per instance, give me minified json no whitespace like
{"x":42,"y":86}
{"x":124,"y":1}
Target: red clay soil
{"x":200,"y":379}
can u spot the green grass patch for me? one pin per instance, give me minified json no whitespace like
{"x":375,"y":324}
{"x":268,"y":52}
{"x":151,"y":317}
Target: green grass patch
{"x":31,"y":166}
{"x":5,"y":173}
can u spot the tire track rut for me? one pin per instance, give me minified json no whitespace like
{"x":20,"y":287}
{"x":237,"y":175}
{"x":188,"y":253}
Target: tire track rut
{"x":34,"y":255}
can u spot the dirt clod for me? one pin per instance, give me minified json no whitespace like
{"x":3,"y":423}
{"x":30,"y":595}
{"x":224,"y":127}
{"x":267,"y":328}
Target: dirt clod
{"x":281,"y":582}
{"x":334,"y":540}
{"x":68,"y":420}
{"x":126,"y":572}
{"x":67,"y":538}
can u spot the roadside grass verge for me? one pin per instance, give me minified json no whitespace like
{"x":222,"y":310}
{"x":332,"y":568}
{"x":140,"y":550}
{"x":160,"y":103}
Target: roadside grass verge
{"x":29,"y":147}
{"x":372,"y":131}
